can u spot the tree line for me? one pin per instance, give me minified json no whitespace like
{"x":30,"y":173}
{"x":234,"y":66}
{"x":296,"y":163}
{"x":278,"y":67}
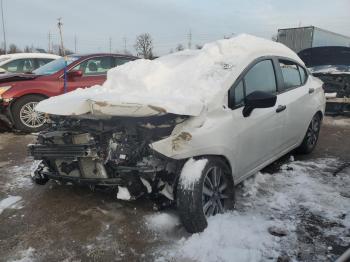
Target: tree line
{"x":143,"y":47}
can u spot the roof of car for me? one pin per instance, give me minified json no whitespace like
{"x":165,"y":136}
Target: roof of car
{"x":29,"y":55}
{"x":102,"y":54}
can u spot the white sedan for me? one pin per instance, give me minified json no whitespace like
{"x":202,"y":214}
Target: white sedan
{"x":24,"y":62}
{"x":188,"y":126}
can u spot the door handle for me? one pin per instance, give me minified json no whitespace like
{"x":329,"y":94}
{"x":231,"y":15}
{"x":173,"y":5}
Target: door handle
{"x":311,"y":90}
{"x":280,"y":108}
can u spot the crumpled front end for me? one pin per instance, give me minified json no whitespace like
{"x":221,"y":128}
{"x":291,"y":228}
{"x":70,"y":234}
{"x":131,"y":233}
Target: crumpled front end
{"x":111,"y":152}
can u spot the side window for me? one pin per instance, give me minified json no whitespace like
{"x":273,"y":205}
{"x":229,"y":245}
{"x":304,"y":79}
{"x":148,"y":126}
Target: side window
{"x":121,"y":60}
{"x":261,"y":77}
{"x":291,"y":75}
{"x":303,"y":75}
{"x":95,"y":66}
{"x":19,"y":66}
{"x":43,"y":61}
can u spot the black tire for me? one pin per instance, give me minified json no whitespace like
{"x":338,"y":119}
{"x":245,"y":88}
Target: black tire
{"x":311,"y":136}
{"x":191,"y":201}
{"x":19,"y":107}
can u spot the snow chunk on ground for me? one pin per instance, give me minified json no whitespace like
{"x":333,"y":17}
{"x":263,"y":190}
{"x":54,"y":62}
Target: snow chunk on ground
{"x":181,"y":83}
{"x":302,"y":195}
{"x":191,"y":172}
{"x":162,"y":222}
{"x":123,"y":193}
{"x":230,"y":237}
{"x":25,"y":256}
{"x":9,"y":202}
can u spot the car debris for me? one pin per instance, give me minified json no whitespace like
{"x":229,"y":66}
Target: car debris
{"x":332,"y":65}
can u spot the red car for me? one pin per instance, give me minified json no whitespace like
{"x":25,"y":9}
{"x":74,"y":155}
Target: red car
{"x":19,"y":93}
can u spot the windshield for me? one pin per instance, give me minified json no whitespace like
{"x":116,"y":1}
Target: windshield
{"x":55,"y":66}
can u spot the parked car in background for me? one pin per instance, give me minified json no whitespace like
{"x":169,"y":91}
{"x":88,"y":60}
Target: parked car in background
{"x":188,"y":126}
{"x":332,"y":65}
{"x":20,"y":93}
{"x":24,"y":62}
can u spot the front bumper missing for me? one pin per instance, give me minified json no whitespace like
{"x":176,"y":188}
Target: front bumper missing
{"x":71,"y":151}
{"x":85,"y":181}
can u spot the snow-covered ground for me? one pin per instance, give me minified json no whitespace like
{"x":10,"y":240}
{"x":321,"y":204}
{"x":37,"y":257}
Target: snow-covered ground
{"x":277,"y":215}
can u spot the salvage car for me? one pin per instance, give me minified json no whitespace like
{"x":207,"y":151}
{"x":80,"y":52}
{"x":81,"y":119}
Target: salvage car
{"x":20,"y":93}
{"x":188,"y":126}
{"x":332,"y":65}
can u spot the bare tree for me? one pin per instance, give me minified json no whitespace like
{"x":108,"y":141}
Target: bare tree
{"x":28,"y":49}
{"x":144,"y":46}
{"x":179,"y":47}
{"x":14,"y":49}
{"x":274,"y":38}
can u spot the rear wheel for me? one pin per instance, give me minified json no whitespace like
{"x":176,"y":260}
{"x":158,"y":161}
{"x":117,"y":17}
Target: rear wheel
{"x":25,"y":117}
{"x":311,"y":136}
{"x":212,"y":194}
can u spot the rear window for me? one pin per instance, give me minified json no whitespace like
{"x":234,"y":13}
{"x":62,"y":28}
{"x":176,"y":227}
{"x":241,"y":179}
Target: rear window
{"x":293,"y":74}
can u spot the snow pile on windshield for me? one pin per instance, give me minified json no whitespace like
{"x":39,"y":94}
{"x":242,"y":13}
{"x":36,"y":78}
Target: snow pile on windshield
{"x":181,"y":83}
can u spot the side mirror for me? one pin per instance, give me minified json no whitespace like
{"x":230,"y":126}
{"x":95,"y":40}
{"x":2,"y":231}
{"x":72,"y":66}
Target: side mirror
{"x":74,"y":74}
{"x":2,"y":71}
{"x":258,"y":99}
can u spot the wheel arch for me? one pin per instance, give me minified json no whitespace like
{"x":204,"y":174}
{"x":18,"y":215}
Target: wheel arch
{"x":20,"y":97}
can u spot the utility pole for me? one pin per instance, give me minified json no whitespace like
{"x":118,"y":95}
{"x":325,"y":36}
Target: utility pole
{"x":190,"y":39}
{"x":125,"y":50}
{"x":3,"y":26}
{"x":110,"y":45}
{"x":49,"y":46}
{"x":75,"y":43}
{"x":60,"y":24}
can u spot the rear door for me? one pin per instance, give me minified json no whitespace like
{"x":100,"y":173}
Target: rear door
{"x":258,"y":136}
{"x":294,"y":94}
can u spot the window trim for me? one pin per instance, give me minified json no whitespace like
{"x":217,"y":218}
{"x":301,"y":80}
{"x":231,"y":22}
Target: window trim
{"x":244,"y":73}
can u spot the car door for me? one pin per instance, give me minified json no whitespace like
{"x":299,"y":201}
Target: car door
{"x":294,"y":94}
{"x":94,"y":72}
{"x":258,"y":136}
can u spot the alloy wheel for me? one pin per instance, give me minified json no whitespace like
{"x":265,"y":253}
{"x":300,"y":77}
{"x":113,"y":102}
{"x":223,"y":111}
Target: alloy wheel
{"x":312,"y":132}
{"x":215,"y":191}
{"x":30,"y":117}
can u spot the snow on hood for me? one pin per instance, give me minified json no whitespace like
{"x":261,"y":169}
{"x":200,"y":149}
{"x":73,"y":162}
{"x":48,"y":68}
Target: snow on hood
{"x":330,"y":69}
{"x":183,"y":83}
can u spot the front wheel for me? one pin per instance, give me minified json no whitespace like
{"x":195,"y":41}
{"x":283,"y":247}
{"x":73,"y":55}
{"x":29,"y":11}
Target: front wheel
{"x":25,"y":117}
{"x":311,"y":136}
{"x":210,"y":194}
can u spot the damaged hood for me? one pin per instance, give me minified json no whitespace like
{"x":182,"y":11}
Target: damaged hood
{"x":183,"y":83}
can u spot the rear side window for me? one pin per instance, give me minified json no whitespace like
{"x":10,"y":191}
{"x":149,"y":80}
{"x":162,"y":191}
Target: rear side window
{"x":261,"y":77}
{"x":43,"y":61}
{"x":293,"y":74}
{"x":119,"y":60}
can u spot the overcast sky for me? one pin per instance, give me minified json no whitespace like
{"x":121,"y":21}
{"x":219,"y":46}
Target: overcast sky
{"x":168,"y":21}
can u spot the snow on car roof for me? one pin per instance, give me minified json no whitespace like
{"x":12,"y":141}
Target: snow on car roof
{"x":29,"y":55}
{"x":183,"y":83}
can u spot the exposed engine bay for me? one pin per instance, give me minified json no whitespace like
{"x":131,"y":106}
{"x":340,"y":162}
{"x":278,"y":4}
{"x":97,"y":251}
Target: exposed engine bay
{"x":112,"y":152}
